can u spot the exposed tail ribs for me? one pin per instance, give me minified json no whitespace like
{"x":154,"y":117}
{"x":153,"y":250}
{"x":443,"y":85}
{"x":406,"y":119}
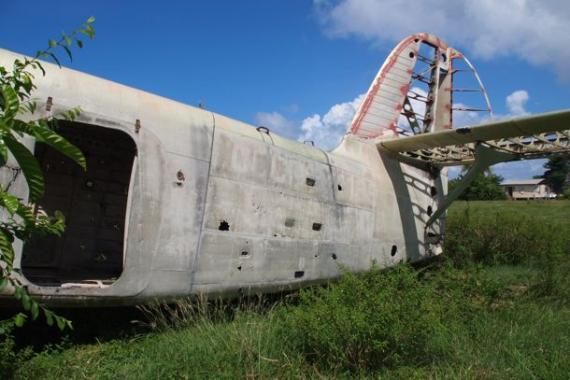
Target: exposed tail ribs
{"x":413,"y":91}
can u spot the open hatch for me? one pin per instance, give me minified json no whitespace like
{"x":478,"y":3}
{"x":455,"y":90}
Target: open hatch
{"x":94,"y":202}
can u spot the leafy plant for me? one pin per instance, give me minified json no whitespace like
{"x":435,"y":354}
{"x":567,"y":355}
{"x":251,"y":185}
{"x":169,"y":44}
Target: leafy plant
{"x":485,"y":186}
{"x":379,"y":319}
{"x":557,"y":173}
{"x":18,"y":118}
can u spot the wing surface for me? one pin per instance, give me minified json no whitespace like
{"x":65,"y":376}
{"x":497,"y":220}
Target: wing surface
{"x":524,"y":138}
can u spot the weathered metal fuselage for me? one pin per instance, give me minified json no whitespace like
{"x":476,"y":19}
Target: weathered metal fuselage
{"x":218,"y":207}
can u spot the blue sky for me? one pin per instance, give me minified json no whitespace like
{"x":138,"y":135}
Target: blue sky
{"x":287,"y":64}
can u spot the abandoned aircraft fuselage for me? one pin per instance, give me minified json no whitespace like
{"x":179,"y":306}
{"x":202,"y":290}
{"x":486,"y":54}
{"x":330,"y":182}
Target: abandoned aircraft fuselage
{"x":204,"y":204}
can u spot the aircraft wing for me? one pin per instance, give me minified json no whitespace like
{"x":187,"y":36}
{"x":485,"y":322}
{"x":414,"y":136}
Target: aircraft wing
{"x":524,"y":138}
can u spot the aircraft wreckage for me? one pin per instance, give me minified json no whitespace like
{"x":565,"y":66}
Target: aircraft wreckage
{"x":181,"y":201}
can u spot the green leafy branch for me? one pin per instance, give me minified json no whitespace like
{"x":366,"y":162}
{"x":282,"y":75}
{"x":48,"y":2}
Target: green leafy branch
{"x":21,"y":220}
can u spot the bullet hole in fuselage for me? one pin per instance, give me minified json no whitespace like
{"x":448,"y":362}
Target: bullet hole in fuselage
{"x":394,"y":251}
{"x":224,"y":226}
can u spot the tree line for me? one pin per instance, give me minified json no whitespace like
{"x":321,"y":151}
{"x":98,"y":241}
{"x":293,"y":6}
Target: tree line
{"x":487,"y":186}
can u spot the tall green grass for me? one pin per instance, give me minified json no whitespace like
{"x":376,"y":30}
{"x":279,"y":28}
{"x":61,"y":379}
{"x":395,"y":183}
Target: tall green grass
{"x":495,"y":306}
{"x":501,"y":233}
{"x":499,"y":236}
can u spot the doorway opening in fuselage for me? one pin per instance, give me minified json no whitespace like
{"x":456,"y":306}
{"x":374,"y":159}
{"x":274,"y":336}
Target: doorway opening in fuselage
{"x":94,"y":203}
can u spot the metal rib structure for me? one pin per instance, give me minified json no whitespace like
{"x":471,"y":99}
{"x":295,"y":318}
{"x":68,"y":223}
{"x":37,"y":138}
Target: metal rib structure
{"x":524,"y":138}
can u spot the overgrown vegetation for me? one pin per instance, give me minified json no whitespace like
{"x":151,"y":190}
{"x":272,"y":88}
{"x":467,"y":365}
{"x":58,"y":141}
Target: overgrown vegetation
{"x":495,"y":306}
{"x":485,"y":187}
{"x":366,"y":322}
{"x":488,"y":236}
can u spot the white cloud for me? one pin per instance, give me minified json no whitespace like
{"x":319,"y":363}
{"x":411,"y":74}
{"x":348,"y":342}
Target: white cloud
{"x":516,"y":102}
{"x":327,"y":131}
{"x":454,"y":171}
{"x":276,"y":122}
{"x":536,"y":31}
{"x":468,"y":118}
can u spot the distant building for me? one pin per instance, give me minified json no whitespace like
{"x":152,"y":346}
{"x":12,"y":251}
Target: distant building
{"x":527,"y":189}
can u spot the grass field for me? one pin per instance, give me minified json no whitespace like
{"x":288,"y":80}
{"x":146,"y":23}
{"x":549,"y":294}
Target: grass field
{"x":547,"y":211}
{"x":496,"y":306}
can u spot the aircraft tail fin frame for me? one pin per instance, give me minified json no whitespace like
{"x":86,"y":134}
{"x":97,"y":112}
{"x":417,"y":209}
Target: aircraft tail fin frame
{"x":413,"y":92}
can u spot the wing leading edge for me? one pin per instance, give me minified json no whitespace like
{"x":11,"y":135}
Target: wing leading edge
{"x":523,"y":138}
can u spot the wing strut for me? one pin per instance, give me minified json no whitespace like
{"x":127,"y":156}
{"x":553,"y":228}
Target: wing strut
{"x":484,"y":157}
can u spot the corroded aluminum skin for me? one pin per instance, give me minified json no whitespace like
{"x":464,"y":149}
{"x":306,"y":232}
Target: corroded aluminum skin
{"x":366,"y":202}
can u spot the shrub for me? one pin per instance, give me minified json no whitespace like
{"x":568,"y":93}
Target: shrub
{"x":365,"y":322}
{"x":10,"y":357}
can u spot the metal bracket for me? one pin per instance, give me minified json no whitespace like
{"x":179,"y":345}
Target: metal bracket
{"x":484,"y":157}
